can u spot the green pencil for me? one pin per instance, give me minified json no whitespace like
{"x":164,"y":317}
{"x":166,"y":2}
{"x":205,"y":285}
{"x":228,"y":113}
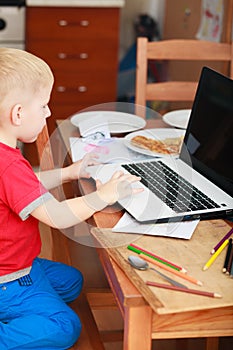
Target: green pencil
{"x":138,"y":251}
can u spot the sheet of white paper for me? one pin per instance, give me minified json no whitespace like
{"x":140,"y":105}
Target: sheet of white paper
{"x":110,"y":151}
{"x":182,"y":230}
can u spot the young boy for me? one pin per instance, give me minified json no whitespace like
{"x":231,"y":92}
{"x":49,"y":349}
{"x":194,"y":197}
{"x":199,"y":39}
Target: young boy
{"x":34,"y":292}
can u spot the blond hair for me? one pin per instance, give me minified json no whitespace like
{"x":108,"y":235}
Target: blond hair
{"x":22,"y":70}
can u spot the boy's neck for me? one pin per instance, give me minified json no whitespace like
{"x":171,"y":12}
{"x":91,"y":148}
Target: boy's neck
{"x":9,"y":141}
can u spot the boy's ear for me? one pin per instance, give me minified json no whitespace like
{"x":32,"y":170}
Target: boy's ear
{"x":16,"y":115}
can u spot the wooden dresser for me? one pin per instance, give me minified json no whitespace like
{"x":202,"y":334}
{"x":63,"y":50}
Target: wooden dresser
{"x":81,"y":47}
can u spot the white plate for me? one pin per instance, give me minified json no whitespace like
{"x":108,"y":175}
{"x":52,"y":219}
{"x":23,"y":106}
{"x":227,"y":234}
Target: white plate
{"x":178,"y":118}
{"x":157,"y":134}
{"x":118,"y":122}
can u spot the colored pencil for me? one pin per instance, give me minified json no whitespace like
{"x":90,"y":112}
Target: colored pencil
{"x":140,"y":250}
{"x":231,"y":273}
{"x":229,"y":262}
{"x":185,"y":290}
{"x":135,"y":250}
{"x":175,"y":272}
{"x":215,"y":255}
{"x":228,"y":253}
{"x":221,"y":241}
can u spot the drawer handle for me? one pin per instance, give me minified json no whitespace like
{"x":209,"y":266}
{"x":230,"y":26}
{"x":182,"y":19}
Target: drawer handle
{"x":80,"y":88}
{"x":61,"y":88}
{"x":83,"y":55}
{"x":63,"y":23}
{"x":82,"y":23}
{"x":63,"y":56}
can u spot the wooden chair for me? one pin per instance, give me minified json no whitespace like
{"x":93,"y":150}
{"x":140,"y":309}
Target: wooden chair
{"x":55,"y":247}
{"x":175,"y":49}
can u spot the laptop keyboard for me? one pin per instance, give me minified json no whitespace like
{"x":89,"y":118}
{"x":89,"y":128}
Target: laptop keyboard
{"x":170,"y":187}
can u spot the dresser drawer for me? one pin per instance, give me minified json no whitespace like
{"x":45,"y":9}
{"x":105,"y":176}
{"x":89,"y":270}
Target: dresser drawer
{"x":61,"y":23}
{"x":63,"y":111}
{"x":91,"y":88}
{"x":77,"y":55}
{"x":81,"y":47}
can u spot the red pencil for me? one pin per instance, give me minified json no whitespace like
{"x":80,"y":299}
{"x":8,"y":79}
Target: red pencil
{"x":185,"y":290}
{"x":181,"y":269}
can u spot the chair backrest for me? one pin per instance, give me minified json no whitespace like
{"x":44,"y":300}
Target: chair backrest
{"x":44,"y":150}
{"x":54,"y":243}
{"x":176,"y":50}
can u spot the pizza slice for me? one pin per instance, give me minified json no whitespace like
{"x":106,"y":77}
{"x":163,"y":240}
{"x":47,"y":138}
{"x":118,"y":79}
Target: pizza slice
{"x":169,"y":145}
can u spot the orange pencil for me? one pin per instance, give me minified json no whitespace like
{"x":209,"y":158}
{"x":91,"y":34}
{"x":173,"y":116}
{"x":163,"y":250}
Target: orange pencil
{"x":175,"y":272}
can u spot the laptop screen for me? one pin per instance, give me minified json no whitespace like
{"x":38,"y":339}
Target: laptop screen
{"x":208,"y":143}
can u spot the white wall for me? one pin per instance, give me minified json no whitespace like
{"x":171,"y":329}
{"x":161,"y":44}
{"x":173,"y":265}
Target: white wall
{"x":132,"y":8}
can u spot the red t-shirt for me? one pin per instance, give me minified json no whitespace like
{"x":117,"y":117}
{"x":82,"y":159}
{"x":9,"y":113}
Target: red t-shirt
{"x":20,"y":193}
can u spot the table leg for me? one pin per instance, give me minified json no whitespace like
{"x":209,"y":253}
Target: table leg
{"x":138,"y":328}
{"x":212,"y":343}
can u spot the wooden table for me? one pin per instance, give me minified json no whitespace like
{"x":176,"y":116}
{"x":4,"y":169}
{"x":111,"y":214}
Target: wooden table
{"x":151,"y":313}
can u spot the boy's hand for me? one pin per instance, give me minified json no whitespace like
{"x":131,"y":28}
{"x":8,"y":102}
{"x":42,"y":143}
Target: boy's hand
{"x":118,"y":187}
{"x":77,"y":170}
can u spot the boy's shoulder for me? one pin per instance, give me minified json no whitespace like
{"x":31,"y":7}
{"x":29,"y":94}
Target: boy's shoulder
{"x":9,"y":155}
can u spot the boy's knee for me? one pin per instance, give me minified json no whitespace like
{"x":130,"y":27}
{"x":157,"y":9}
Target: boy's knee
{"x":75,"y":330}
{"x":78,"y":279}
{"x":70,"y":329}
{"x":75,"y":287}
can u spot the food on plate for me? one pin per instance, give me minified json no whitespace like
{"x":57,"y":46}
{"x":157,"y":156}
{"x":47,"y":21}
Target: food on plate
{"x":170,"y":145}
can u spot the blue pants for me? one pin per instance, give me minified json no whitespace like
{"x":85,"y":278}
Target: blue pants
{"x":37,"y":316}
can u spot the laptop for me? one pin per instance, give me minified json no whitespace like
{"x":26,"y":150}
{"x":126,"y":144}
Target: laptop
{"x":199,"y":183}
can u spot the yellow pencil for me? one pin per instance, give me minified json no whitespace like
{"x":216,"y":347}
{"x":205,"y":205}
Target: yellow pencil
{"x":216,"y":254}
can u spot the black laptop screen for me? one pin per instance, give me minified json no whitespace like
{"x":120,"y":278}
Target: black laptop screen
{"x":208,"y":142}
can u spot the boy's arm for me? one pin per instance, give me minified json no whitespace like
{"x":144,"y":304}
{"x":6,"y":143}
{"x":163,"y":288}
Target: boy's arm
{"x":53,"y":178}
{"x":71,"y":212}
{"x":56,"y":177}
